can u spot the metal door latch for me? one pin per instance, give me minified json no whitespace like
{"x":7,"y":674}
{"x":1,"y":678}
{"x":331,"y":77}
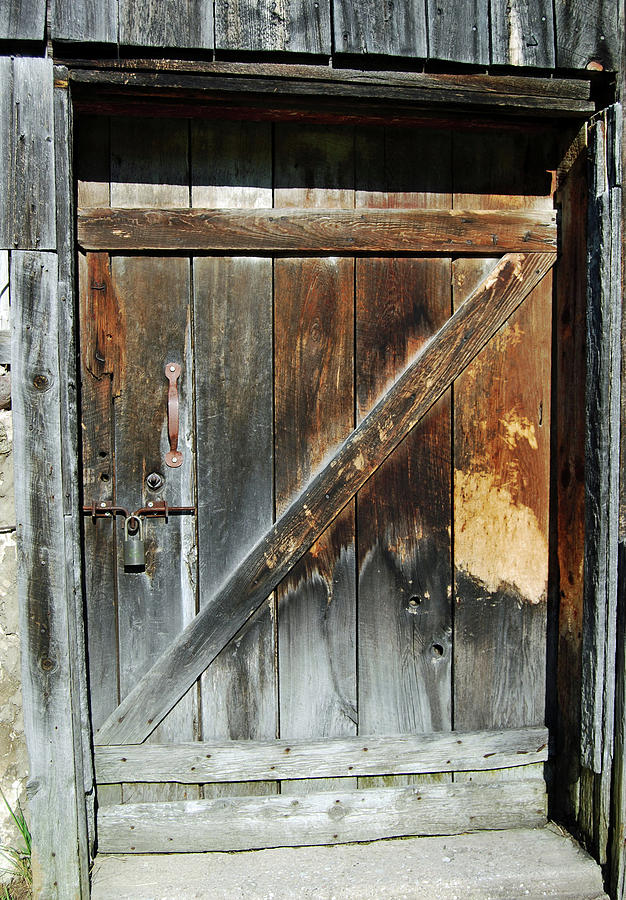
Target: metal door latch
{"x":134,"y":550}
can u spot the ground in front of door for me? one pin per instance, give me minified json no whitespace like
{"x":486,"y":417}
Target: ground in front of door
{"x":521,"y":864}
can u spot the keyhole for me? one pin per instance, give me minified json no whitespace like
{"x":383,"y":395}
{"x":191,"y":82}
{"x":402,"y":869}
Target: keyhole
{"x":155,"y":481}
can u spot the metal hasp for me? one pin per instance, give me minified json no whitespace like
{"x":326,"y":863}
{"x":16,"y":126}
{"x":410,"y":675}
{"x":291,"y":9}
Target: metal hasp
{"x":173,"y":458}
{"x":134,"y":548}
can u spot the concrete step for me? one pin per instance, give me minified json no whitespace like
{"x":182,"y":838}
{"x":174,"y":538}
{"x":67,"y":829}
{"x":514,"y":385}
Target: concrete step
{"x":520,"y":864}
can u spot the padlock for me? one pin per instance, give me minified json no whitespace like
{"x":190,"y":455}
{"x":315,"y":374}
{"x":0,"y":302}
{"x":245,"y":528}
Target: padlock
{"x":134,"y":551}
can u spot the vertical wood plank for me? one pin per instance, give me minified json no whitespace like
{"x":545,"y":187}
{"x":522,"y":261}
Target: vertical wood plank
{"x":149,"y":162}
{"x":459,"y":31}
{"x":522,"y":33}
{"x":149,"y":165}
{"x":568,"y":422}
{"x":72,"y":500}
{"x":34,"y":225}
{"x":385,"y":28}
{"x":6,"y":142}
{"x":155,"y":23}
{"x":100,"y":537}
{"x":501,"y":468}
{"x":301,"y":26}
{"x":155,"y":605}
{"x":232,"y":167}
{"x":602,"y":448}
{"x":84,"y":21}
{"x":23,"y":21}
{"x":588,"y":32}
{"x":403,"y":512}
{"x":314,"y":412}
{"x":47,"y":682}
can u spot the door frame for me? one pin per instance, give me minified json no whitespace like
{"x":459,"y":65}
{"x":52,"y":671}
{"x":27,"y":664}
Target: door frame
{"x":47,"y":427}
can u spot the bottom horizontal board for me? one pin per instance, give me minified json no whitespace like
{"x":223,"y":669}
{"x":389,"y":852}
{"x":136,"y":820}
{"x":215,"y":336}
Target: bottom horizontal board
{"x":333,"y":817}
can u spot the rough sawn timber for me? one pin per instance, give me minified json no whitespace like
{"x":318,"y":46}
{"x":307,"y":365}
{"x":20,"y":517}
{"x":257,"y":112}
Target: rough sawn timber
{"x":328,"y":817}
{"x":333,"y":230}
{"x":198,"y":762}
{"x":423,"y":382}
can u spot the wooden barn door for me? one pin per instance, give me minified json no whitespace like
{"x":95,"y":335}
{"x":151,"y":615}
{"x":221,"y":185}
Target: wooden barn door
{"x":376,"y":632}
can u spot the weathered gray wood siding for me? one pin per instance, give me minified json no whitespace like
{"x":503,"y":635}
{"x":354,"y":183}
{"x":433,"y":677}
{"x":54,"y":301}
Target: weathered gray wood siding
{"x":566,"y":34}
{"x":35,"y":225}
{"x":27,"y":220}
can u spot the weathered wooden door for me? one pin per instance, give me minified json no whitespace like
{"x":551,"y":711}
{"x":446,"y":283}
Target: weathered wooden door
{"x":294,"y":272}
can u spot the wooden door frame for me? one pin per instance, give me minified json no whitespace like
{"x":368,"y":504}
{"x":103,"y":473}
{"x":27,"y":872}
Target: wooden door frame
{"x":47,"y":429}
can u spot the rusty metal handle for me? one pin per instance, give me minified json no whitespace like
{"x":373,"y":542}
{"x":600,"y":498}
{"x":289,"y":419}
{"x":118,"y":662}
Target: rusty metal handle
{"x":173,"y":458}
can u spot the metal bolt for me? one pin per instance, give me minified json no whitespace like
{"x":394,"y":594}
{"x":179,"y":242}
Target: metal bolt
{"x":172,"y":368}
{"x":150,"y":504}
{"x":154,"y":481}
{"x":103,"y":505}
{"x":174,"y":459}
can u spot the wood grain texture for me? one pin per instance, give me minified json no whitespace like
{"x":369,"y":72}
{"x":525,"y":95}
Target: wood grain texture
{"x":321,"y":818}
{"x":459,"y":31}
{"x":149,"y":163}
{"x":156,"y":604}
{"x":231,"y":165}
{"x":403,"y":512}
{"x":31,"y":178}
{"x":23,"y":21}
{"x":234,"y":419}
{"x":314,"y":378}
{"x":155,"y":23}
{"x":501,"y":480}
{"x":50,"y":704}
{"x":428,"y":376}
{"x":384,"y":28}
{"x":314,"y":412}
{"x":522,"y":33}
{"x":236,"y":760}
{"x":6,"y":148}
{"x":336,"y":231}
{"x":602,"y":462}
{"x":588,"y":32}
{"x":301,"y":26}
{"x":568,"y":422}
{"x":83,"y":21}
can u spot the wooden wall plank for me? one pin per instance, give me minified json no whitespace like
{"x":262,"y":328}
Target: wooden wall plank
{"x":155,"y":23}
{"x":588,"y":33}
{"x":314,"y":398}
{"x":403,"y":512}
{"x":84,"y":21}
{"x":149,"y":162}
{"x":23,"y":21}
{"x":6,"y":150}
{"x":333,"y":231}
{"x":301,"y":26}
{"x":33,"y":189}
{"x":432,"y":371}
{"x":233,"y":312}
{"x":70,"y":437}
{"x":235,"y":760}
{"x":47,"y":658}
{"x":155,"y":313}
{"x":501,"y":477}
{"x":372,"y":27}
{"x":459,"y":31}
{"x":568,"y":422}
{"x":522,"y":33}
{"x":321,"y":818}
{"x":602,"y":450}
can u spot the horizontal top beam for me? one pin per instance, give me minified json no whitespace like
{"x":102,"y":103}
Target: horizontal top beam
{"x":508,"y":95}
{"x":319,"y":230}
